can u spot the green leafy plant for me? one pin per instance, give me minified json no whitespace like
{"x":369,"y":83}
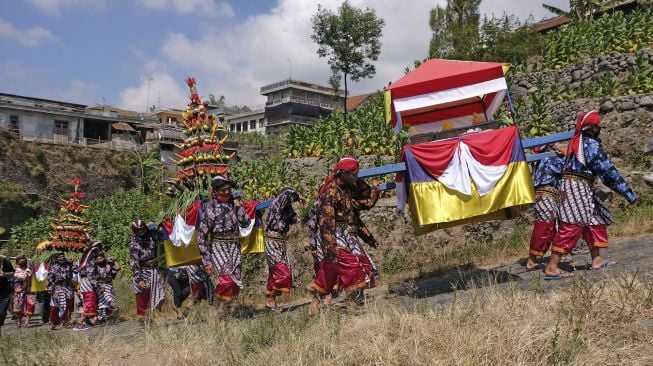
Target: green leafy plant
{"x":365,"y":133}
{"x":613,"y":31}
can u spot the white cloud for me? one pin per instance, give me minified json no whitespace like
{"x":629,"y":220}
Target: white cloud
{"x":207,"y":7}
{"x":236,"y":62}
{"x":54,"y":6}
{"x":164,"y":91}
{"x":30,"y":37}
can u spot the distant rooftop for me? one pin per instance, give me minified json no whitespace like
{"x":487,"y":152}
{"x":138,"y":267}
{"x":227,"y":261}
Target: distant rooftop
{"x":300,"y":84}
{"x":40,"y":102}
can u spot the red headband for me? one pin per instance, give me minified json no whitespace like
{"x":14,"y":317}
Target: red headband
{"x":347,"y":164}
{"x":584,"y":119}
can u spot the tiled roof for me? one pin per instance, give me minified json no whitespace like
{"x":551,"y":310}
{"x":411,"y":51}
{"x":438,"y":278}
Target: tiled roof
{"x":356,"y":101}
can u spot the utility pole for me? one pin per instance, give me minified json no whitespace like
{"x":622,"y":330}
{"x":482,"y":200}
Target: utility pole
{"x":147,"y":104}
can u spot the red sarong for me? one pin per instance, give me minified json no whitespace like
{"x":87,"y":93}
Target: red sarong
{"x":142,"y":302}
{"x":351,"y":270}
{"x":542,"y":236}
{"x":197,"y":291}
{"x":326,"y":277}
{"x":279,"y":278}
{"x":54,"y":313}
{"x":226,"y":289}
{"x":596,"y":236}
{"x":89,"y":303}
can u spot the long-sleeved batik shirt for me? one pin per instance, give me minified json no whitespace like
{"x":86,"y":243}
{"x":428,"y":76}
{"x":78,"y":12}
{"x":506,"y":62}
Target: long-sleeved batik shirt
{"x":219,"y":219}
{"x":341,"y":206}
{"x":281,"y":213}
{"x":548,"y":172}
{"x":141,"y":249}
{"x":59,"y":274}
{"x":597,"y":164}
{"x":106,"y":271}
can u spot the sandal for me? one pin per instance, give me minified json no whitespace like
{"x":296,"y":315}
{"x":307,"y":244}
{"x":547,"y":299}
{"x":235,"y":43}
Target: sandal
{"x":558,"y":276}
{"x":606,"y":264}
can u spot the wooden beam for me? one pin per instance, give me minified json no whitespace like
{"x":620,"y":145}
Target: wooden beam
{"x":556,"y":137}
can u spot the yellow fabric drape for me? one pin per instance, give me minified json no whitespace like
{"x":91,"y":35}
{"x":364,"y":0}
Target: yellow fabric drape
{"x":254,"y":242}
{"x":434,"y":206}
{"x":184,"y":255}
{"x":38,"y":286}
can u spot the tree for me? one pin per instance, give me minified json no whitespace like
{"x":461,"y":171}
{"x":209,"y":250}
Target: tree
{"x":578,"y":9}
{"x":351,"y":38}
{"x":507,"y":39}
{"x":455,"y":29}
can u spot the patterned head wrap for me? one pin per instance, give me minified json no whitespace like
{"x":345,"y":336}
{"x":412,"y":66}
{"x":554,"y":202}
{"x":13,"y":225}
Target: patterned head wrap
{"x":584,"y":121}
{"x":347,"y":164}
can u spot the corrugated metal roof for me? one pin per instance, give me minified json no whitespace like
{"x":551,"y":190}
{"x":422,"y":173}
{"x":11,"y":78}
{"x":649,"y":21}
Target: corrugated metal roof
{"x":122,"y":126}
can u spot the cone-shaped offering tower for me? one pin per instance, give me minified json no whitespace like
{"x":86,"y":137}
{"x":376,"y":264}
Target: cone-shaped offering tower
{"x":71,"y":230}
{"x":202,"y":156}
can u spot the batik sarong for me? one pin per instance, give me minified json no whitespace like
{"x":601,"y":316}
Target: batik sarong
{"x":280,"y":276}
{"x":154,"y":293}
{"x":225,"y":258}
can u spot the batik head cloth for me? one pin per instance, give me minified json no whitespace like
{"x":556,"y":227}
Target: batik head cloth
{"x":584,"y":120}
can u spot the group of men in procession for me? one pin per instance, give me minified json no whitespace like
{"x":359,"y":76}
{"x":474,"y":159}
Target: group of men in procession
{"x":340,"y":261}
{"x":567,"y":209}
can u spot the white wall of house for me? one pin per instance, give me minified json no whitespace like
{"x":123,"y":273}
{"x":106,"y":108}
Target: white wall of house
{"x":245,"y":121}
{"x":43,"y":126}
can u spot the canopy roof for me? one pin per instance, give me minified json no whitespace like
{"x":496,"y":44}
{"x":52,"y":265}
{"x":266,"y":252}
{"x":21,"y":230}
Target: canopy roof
{"x":447,"y":93}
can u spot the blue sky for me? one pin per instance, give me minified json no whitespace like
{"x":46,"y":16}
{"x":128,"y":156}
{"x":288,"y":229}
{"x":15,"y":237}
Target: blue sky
{"x":95,"y":51}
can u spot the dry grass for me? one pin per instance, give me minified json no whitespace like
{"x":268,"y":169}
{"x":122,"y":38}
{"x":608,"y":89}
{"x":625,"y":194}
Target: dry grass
{"x":587,"y":324}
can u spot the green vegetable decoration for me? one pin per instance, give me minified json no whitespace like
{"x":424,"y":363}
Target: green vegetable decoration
{"x":202,"y":156}
{"x":70,"y":230}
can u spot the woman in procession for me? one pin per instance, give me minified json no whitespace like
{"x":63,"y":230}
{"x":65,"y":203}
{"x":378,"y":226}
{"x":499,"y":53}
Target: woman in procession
{"x":148,"y":283}
{"x":280,"y":217}
{"x":23,"y":302}
{"x":219,"y":239}
{"x":345,"y":263}
{"x":60,"y":287}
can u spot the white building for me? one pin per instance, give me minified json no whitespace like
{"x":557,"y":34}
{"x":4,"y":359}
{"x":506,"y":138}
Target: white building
{"x":252,"y":121}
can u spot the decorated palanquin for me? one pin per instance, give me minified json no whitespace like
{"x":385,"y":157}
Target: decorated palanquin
{"x":477,"y":177}
{"x":478,"y":172}
{"x":201,"y":158}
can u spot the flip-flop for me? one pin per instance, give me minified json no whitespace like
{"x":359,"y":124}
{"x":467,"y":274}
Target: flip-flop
{"x":606,"y":264}
{"x":536,"y":267}
{"x":558,"y":276}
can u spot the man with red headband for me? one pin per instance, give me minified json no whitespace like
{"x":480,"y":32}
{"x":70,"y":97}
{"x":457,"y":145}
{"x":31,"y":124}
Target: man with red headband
{"x":345,"y":262}
{"x":581,"y":212}
{"x":546,"y":179}
{"x":219,"y":238}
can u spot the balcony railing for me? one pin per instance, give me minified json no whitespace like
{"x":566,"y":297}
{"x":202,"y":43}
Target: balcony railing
{"x":267,"y":88}
{"x":300,"y":100}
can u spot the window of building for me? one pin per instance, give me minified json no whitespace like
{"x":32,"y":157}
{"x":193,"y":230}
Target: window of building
{"x":60,"y":127}
{"x":261,"y":123}
{"x":232,"y":127}
{"x":238,"y":127}
{"x":245,"y":126}
{"x":13,"y":122}
{"x":252,"y":124}
{"x":172,"y":121}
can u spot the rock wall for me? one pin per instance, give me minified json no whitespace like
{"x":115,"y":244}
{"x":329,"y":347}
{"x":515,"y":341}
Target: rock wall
{"x":586,"y":72}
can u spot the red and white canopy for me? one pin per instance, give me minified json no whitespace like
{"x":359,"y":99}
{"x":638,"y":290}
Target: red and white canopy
{"x":446,"y":94}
